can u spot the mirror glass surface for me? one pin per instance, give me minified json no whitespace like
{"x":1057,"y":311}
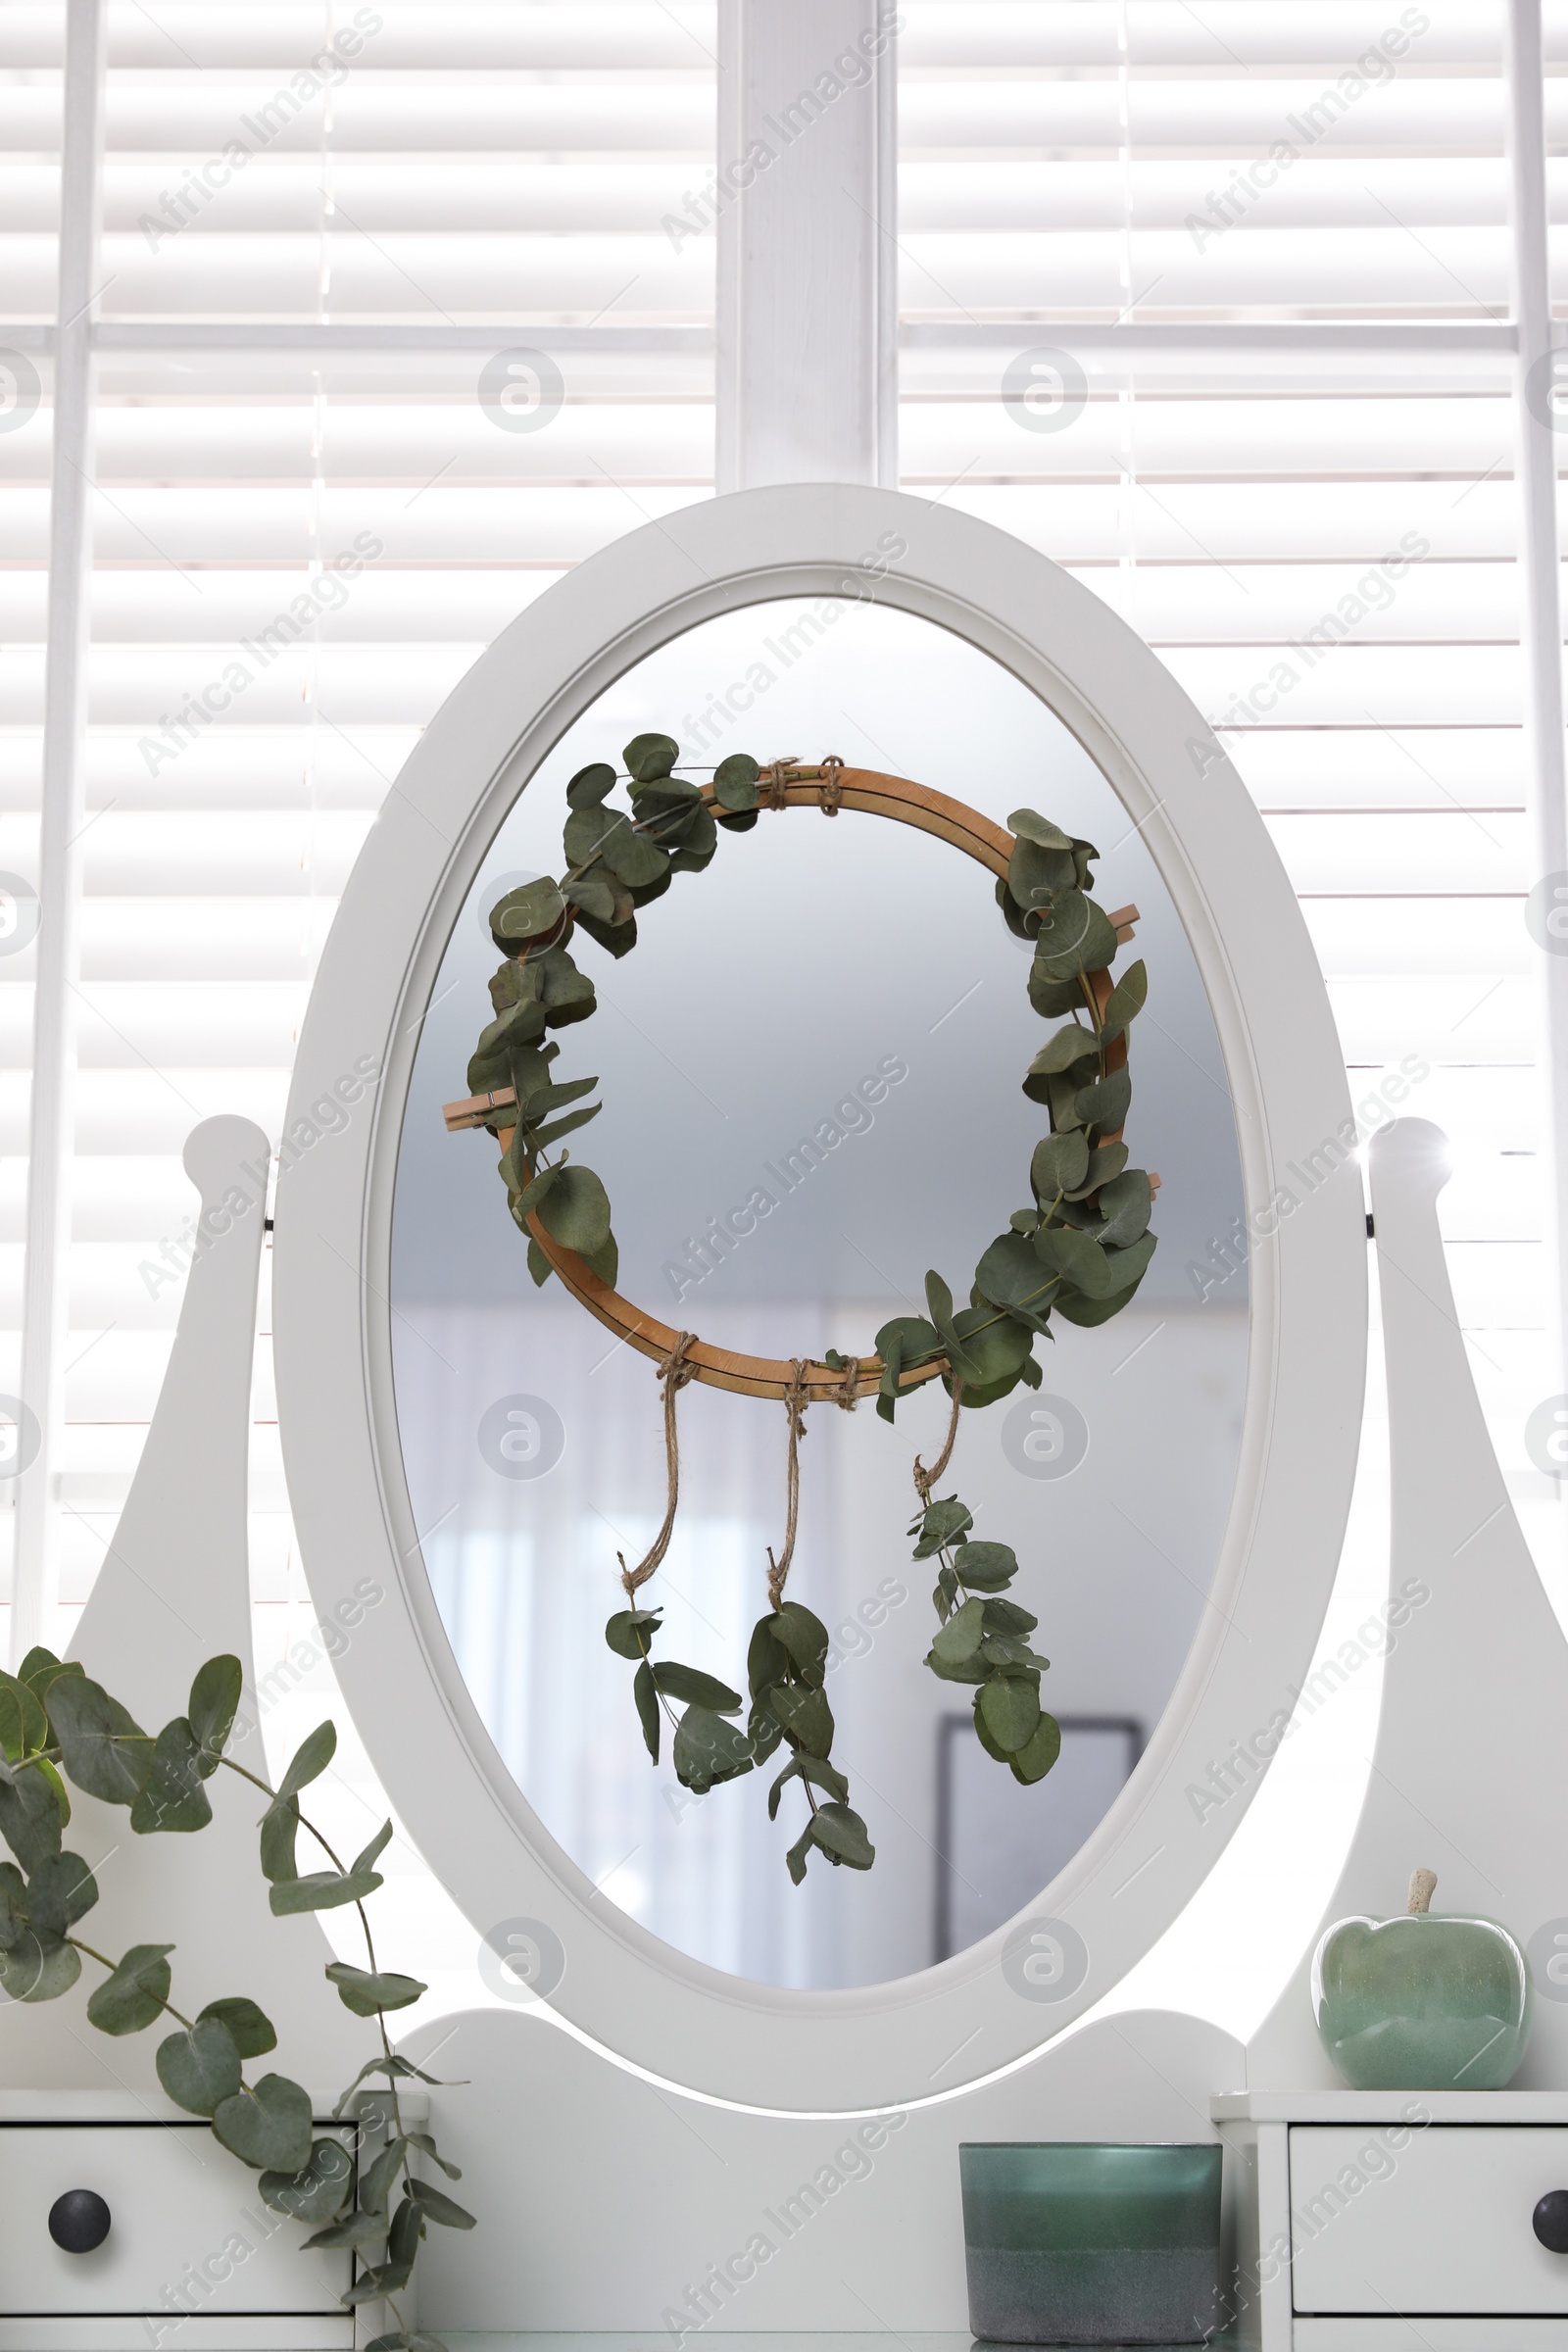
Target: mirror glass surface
{"x":827,"y":1029}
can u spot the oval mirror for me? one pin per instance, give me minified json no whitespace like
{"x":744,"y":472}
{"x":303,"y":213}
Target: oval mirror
{"x":810,"y":1069}
{"x":811,"y":1073}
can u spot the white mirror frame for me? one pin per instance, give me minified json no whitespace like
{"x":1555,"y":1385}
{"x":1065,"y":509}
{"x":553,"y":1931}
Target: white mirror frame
{"x":963,"y":2022}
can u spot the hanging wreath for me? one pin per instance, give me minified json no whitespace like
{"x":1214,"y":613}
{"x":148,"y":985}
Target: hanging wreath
{"x":1078,"y":1250}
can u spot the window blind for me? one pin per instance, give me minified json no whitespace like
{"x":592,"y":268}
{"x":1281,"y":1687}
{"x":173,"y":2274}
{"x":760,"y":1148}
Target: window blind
{"x":301,"y":546}
{"x":1157,"y":263}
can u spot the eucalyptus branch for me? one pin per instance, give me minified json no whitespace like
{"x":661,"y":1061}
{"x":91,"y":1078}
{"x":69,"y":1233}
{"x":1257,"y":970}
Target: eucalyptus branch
{"x":54,"y":1715}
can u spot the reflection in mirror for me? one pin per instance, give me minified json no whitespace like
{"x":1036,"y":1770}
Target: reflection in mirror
{"x":834,"y":1014}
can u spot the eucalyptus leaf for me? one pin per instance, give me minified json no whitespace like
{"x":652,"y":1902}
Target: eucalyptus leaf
{"x":842,"y":1836}
{"x":172,"y":1797}
{"x":575,"y":1210}
{"x":994,"y":1346}
{"x":589,"y":786}
{"x":1011,"y":1277}
{"x":372,"y":2286}
{"x":1060,"y":1165}
{"x":321,"y":1891}
{"x":649,"y":756}
{"x":30,"y":1815}
{"x":633,"y":858}
{"x":1105,"y":1162}
{"x":1065,"y":1050}
{"x":367,"y":1992}
{"x":1006,"y":1616}
{"x":60,"y":1891}
{"x":1032,"y":1761}
{"x":987,"y":1568}
{"x":215,"y":1697}
{"x":541,"y":1137}
{"x":427,"y":2147}
{"x":806,"y":1715}
{"x":767,"y":1662}
{"x":1010,"y":1707}
{"x":1078,"y":1260}
{"x":531,"y":912}
{"x":250,"y":2028}
{"x":267,"y":2126}
{"x":735,"y":782}
{"x":1104,"y":1106}
{"x":941,"y":1524}
{"x":1126,"y":1204}
{"x":804,"y":1637}
{"x":1050,"y":996}
{"x":199,"y":2067}
{"x":377,"y":2179}
{"x":311,"y":1759}
{"x":1088,"y":1313}
{"x":1029,"y":825}
{"x":960,"y":1363}
{"x":13,"y":1905}
{"x":802,"y":1767}
{"x":645,"y":1698}
{"x":962,"y":1636}
{"x":397,"y":2069}
{"x":103,"y":1748}
{"x":135,"y":1995}
{"x":1126,"y":1001}
{"x":40,"y":1668}
{"x":24,"y":1724}
{"x":355,"y":2230}
{"x":38,"y":1968}
{"x":591,"y":894}
{"x":543,"y":1096}
{"x":437,"y":2206}
{"x":372,"y":1853}
{"x":1074,"y":935}
{"x":685,"y":1684}
{"x":280,"y":1825}
{"x":630,"y":1632}
{"x":707,"y":1750}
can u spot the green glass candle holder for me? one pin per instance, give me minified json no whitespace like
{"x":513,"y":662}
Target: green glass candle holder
{"x":1425,"y":2001}
{"x":1089,"y":2242}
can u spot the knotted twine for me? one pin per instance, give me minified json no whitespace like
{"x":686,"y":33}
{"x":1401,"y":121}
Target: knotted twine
{"x":675,"y":1372}
{"x":794,"y":1412}
{"x":773,"y":783}
{"x":924,"y":1479}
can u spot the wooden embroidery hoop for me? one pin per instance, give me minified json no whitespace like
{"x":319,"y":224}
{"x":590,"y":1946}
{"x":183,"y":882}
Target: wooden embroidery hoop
{"x":829,"y":787}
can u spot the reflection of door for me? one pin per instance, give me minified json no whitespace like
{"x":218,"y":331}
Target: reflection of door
{"x":998,"y":1843}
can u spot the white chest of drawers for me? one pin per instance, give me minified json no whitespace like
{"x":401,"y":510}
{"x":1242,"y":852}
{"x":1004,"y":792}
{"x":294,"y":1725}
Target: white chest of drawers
{"x":193,"y":2260}
{"x":1398,"y":2221}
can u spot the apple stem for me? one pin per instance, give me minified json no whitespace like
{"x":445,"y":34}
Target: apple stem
{"x":1423,"y":1886}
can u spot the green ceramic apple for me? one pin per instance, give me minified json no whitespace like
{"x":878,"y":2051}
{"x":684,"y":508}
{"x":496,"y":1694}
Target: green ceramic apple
{"x":1422,"y":2002}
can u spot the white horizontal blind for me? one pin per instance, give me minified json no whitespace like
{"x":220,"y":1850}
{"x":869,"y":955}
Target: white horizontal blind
{"x":300,"y":547}
{"x":1315,"y":527}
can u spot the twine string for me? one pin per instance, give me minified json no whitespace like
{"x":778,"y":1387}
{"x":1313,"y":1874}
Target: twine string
{"x":675,"y":1372}
{"x":794,"y":1412}
{"x":924,"y":1479}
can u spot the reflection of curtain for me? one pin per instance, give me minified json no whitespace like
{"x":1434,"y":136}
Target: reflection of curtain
{"x":524,"y":1574}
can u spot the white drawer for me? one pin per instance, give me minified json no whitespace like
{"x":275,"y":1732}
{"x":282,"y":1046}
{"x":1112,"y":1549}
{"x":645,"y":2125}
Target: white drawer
{"x":189,"y":2232}
{"x":1442,"y":2224}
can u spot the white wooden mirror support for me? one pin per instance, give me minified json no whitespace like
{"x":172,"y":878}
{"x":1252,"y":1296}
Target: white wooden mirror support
{"x":687,"y":2025}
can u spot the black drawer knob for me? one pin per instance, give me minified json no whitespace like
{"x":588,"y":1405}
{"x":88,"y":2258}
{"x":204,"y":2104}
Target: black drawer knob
{"x":79,"y":2219}
{"x":1550,"y":2221}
